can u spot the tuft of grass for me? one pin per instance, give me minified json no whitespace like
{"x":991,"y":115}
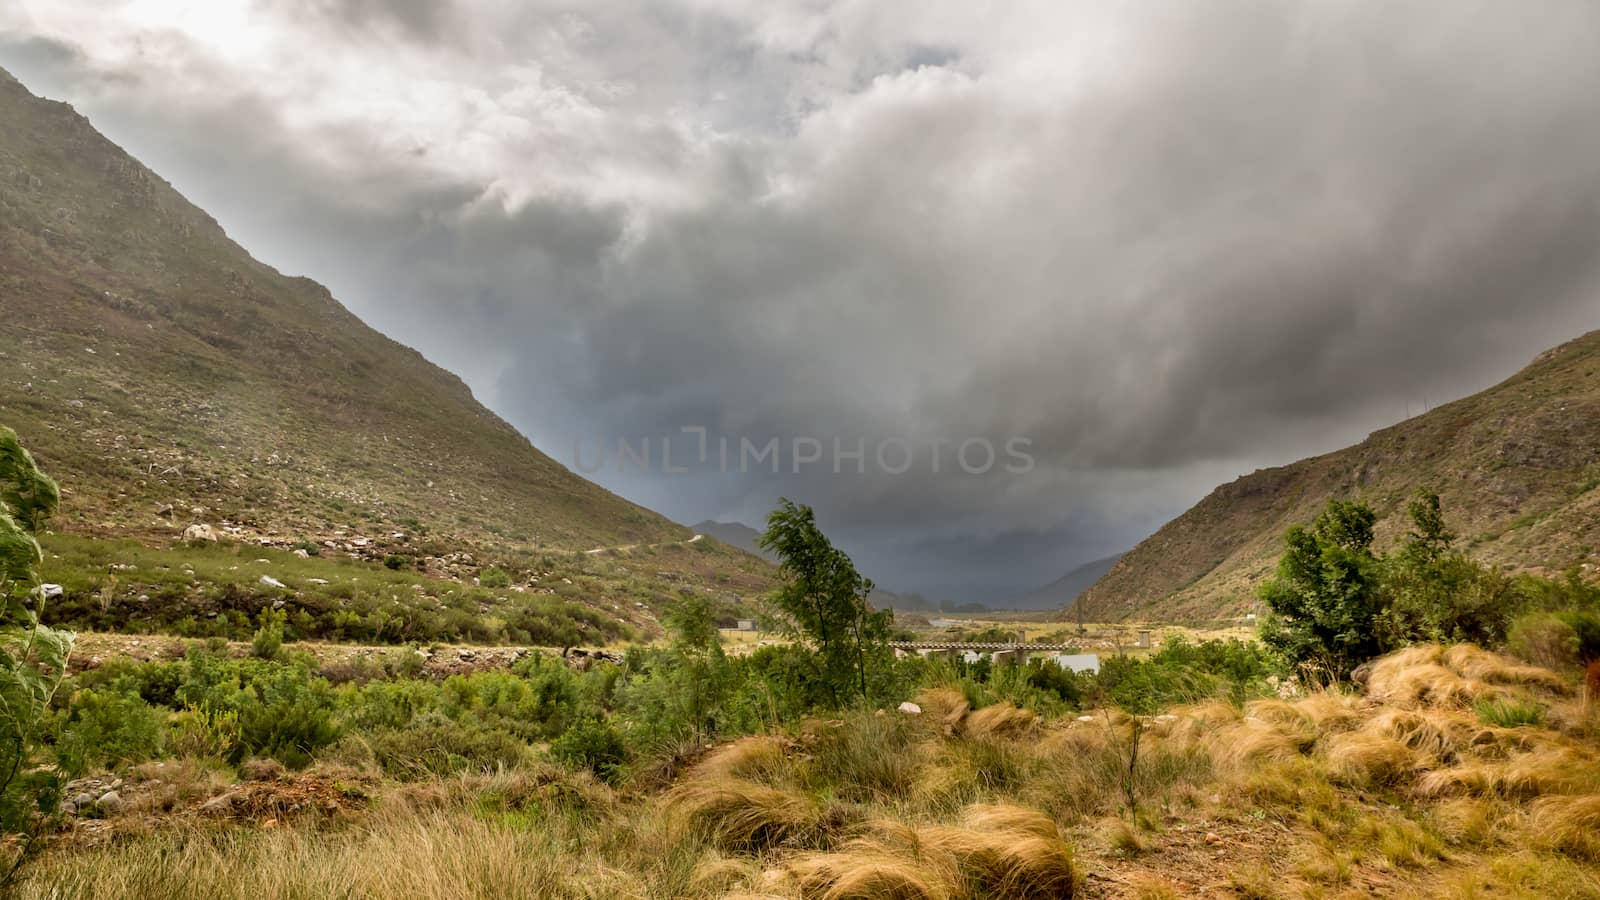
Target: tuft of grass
{"x":1568,"y":824}
{"x":1362,"y":759}
{"x":1510,"y":713}
{"x":744,"y":817}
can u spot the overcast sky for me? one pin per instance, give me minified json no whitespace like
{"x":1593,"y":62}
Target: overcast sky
{"x":1165,"y":242}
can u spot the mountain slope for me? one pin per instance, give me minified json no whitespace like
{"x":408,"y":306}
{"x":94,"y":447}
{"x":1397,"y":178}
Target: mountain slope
{"x":1061,"y":593}
{"x":1517,"y":466}
{"x":735,"y":534}
{"x":150,"y":361}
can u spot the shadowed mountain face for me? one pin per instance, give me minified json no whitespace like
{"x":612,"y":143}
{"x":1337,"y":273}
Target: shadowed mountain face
{"x":735,"y":534}
{"x":1064,"y":591}
{"x":1517,"y":466}
{"x":150,"y":361}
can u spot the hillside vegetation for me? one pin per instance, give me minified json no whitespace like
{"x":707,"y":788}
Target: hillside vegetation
{"x":170,"y":378}
{"x":1517,"y":464}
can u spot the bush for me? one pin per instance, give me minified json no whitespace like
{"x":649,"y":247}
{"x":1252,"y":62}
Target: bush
{"x":434,"y":747}
{"x":397,"y":561}
{"x":268,"y":640}
{"x":595,"y":745}
{"x":106,"y":729}
{"x":494,"y":578}
{"x":1545,"y":640}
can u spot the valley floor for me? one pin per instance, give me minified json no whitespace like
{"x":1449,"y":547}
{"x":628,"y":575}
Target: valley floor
{"x":1457,"y":773}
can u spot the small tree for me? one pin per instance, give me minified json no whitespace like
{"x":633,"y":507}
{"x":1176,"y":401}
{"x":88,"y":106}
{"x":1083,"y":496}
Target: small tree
{"x":824,"y":598}
{"x":1325,"y":598}
{"x":1431,"y":592}
{"x":33,"y":658}
{"x":697,"y":648}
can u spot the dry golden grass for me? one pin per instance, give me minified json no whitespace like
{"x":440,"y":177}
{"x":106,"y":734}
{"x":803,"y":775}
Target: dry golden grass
{"x":1364,"y":760}
{"x":1568,"y":824}
{"x":1249,"y":744}
{"x":1000,"y":720}
{"x":744,"y":817}
{"x":946,"y":706}
{"x":1475,"y":662}
{"x":757,"y":758}
{"x":996,"y":851}
{"x":1458,"y":676}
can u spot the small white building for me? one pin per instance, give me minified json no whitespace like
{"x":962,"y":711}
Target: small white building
{"x":747,"y":625}
{"x":1078,"y":662}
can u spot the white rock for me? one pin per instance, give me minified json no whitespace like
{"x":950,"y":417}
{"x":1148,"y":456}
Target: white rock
{"x":200,"y":533}
{"x":911,"y":708}
{"x":269,"y":581}
{"x":51,"y":591}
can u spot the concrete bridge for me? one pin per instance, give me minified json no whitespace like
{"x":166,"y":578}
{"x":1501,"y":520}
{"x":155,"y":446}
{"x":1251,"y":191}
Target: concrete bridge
{"x":983,"y":646}
{"x":1003,"y":653}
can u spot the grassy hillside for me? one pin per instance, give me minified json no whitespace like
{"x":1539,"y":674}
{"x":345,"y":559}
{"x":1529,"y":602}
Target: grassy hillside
{"x":168,"y":378}
{"x":1517,"y":467}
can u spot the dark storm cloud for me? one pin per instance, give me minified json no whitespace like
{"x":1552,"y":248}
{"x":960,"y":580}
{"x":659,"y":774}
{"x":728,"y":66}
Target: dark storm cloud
{"x":1167,"y":242}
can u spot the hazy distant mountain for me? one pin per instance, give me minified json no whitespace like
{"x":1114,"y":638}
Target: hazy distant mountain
{"x":735,"y":534}
{"x":1060,"y":594}
{"x":153,"y":364}
{"x":1517,"y":466}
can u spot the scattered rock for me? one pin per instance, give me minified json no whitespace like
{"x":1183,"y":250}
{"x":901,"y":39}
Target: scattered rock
{"x":269,"y":581}
{"x":200,"y":533}
{"x":51,"y":591}
{"x":910,"y":708}
{"x":1212,"y":838}
{"x":301,"y":553}
{"x":220,"y":805}
{"x":165,"y":510}
{"x":110,"y":803}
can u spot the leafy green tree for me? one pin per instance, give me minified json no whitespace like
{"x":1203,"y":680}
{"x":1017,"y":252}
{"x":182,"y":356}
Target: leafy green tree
{"x":701,"y":665}
{"x":1325,"y":599}
{"x":1431,"y":592}
{"x":825,"y":600}
{"x":33,"y":658}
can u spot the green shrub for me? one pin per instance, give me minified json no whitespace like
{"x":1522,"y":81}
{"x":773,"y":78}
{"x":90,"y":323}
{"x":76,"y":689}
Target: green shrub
{"x":107,"y":729}
{"x":433,"y":747}
{"x":268,"y":640}
{"x":593,"y":744}
{"x":1544,"y":639}
{"x":494,"y":578}
{"x":397,"y":561}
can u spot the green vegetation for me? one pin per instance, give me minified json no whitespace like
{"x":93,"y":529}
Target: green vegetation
{"x":33,"y":658}
{"x":825,"y":599}
{"x":1336,"y":604}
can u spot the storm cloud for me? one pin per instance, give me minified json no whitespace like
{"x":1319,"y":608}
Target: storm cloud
{"x":1165,"y":242}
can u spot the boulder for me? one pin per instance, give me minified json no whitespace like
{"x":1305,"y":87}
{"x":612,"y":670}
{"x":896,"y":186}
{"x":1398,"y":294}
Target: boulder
{"x":269,"y":581}
{"x":110,"y":803}
{"x":200,"y":532}
{"x":910,"y":708}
